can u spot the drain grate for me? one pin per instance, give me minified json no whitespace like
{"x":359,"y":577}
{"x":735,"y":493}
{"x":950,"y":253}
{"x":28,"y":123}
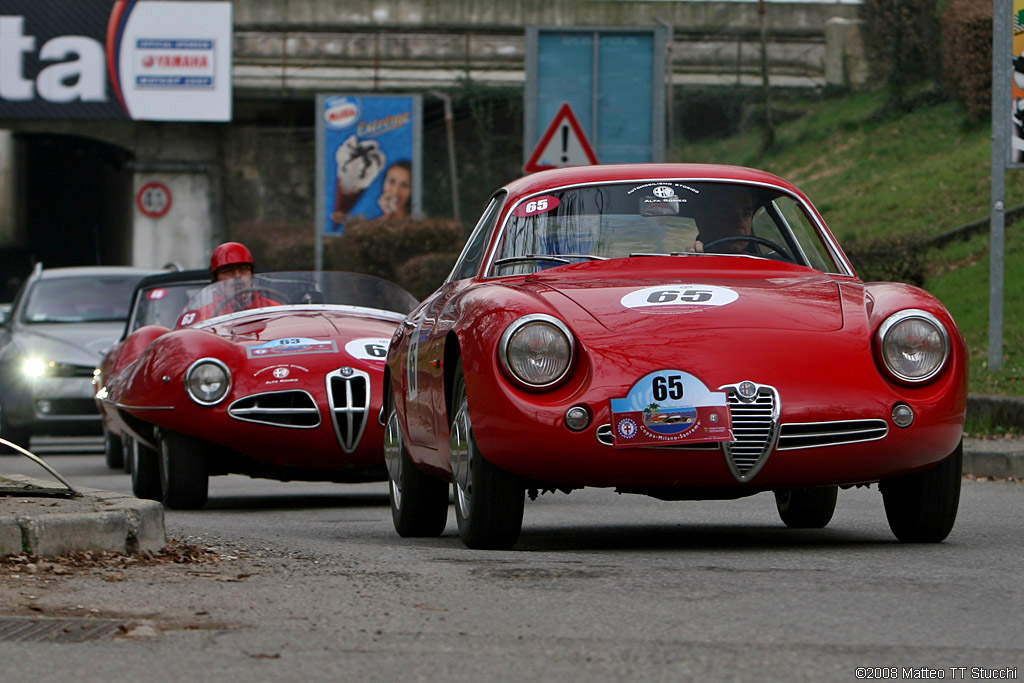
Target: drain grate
{"x":59,"y":630}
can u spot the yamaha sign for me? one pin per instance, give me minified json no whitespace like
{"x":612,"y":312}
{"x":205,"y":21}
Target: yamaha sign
{"x":115,"y":59}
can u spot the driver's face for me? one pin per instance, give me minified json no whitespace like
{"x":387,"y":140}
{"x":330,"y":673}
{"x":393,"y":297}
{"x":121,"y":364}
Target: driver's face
{"x":235,"y":278}
{"x":235,"y":270}
{"x":729,"y":217}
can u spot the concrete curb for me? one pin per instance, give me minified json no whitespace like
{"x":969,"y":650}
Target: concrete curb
{"x":1006,"y":412}
{"x":51,"y":526}
{"x":997,"y":458}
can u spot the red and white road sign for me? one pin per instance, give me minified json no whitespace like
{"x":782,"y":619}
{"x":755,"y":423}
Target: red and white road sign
{"x":154,"y":199}
{"x":563,"y":144}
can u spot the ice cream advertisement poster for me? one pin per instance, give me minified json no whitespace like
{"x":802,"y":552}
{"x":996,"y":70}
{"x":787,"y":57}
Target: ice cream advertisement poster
{"x":369,"y":158}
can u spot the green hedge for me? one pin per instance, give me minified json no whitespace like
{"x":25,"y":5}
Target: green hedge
{"x":967,"y":55}
{"x":896,"y":258}
{"x":415,"y":254}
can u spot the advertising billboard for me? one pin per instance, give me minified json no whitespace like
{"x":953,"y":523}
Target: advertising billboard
{"x":367,"y":158}
{"x":115,"y":59}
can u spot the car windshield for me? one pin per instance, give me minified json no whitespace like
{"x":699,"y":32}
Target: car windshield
{"x":618,"y":220}
{"x":266,"y":290}
{"x":96,"y":298}
{"x":162,"y":304}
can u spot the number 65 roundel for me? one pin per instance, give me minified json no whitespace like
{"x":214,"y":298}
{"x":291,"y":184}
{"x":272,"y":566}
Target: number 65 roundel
{"x":668,"y":295}
{"x":667,"y":407}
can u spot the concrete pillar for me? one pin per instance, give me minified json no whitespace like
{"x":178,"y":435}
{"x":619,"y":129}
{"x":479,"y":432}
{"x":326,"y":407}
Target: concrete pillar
{"x":846,"y":63}
{"x":7,"y":228}
{"x":184,"y":232}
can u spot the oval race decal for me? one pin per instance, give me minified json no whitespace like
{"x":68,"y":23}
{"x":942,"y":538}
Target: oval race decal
{"x":537,"y":205}
{"x":368,"y":349}
{"x":664,"y":297}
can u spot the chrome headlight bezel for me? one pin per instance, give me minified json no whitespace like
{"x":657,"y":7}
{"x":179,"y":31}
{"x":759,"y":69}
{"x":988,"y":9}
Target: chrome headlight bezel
{"x":896,"y":331}
{"x":509,"y":351}
{"x":191,"y":380}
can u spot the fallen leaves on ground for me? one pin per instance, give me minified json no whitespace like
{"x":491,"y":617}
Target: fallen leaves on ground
{"x":175,"y":552}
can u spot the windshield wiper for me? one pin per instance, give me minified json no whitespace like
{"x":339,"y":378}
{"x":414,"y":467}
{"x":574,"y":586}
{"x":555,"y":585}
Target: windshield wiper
{"x":560,"y":258}
{"x":674,"y":253}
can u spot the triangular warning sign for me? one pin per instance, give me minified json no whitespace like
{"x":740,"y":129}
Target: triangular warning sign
{"x":563,"y":144}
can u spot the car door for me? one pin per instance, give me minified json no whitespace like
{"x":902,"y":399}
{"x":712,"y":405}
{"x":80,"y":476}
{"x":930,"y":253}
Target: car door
{"x":424,"y":365}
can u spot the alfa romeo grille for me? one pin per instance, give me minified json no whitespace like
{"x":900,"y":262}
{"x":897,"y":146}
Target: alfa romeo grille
{"x":280,"y":408}
{"x":348,"y":392}
{"x":815,"y":434}
{"x":755,"y":424}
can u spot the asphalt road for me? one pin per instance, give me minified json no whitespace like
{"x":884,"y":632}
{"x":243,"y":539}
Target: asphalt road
{"x":313,"y":584}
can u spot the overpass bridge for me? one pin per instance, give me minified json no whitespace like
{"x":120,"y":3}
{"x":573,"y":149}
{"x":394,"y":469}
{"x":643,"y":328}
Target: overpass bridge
{"x":296,"y":46}
{"x":257,"y":171}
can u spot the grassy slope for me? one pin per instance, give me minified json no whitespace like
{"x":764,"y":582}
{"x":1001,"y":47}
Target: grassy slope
{"x":924,"y":173}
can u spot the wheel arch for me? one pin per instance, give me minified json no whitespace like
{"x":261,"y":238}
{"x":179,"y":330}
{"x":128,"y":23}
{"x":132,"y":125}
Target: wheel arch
{"x":452,"y":355}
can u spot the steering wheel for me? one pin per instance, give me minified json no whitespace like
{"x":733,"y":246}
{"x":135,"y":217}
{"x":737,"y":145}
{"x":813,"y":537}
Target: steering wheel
{"x":781,"y":251}
{"x":237,"y":296}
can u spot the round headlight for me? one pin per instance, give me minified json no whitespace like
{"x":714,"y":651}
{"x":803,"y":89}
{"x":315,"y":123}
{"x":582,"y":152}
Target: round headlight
{"x":914,"y":345}
{"x":33,"y":367}
{"x":207,"y":381}
{"x":536,"y":350}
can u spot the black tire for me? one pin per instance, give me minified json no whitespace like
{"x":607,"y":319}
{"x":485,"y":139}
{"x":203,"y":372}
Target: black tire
{"x":145,"y":471}
{"x":126,"y":451}
{"x":21,"y":436}
{"x":184,"y":482}
{"x":488,"y":501}
{"x":113,"y":450}
{"x":922,"y":507}
{"x":419,"y":502}
{"x":807,"y":508}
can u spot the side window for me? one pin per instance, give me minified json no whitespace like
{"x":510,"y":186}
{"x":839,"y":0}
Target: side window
{"x":763,"y":225}
{"x":817,"y":252}
{"x":473,"y":253}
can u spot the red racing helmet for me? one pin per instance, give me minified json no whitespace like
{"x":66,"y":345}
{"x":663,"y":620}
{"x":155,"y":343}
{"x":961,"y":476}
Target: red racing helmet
{"x":229,"y":254}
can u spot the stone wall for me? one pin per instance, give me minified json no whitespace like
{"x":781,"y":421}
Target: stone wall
{"x":308,"y":45}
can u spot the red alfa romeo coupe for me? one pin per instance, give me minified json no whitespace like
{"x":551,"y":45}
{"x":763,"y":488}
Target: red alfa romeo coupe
{"x":277,"y":375}
{"x":678,"y":331}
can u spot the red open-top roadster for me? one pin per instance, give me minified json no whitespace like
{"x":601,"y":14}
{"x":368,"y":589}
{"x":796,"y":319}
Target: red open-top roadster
{"x":278,"y":376}
{"x":679,"y":331}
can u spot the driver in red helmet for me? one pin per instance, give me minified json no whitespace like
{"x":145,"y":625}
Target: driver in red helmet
{"x":231,"y":260}
{"x":232,"y":269}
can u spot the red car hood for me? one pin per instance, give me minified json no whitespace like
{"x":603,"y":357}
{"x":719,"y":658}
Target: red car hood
{"x":748,"y":297}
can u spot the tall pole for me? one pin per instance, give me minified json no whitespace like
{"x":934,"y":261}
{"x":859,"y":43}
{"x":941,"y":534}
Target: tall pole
{"x":449,"y":125}
{"x":1002,"y":95}
{"x":769,"y":126}
{"x":670,"y":136}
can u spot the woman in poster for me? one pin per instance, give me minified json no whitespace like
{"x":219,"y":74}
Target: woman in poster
{"x":396,"y":195}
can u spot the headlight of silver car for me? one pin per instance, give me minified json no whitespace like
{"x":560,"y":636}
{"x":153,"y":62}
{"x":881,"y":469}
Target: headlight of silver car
{"x":914,"y":345}
{"x":537,"y":350}
{"x":34,"y":367}
{"x":207,"y":381}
